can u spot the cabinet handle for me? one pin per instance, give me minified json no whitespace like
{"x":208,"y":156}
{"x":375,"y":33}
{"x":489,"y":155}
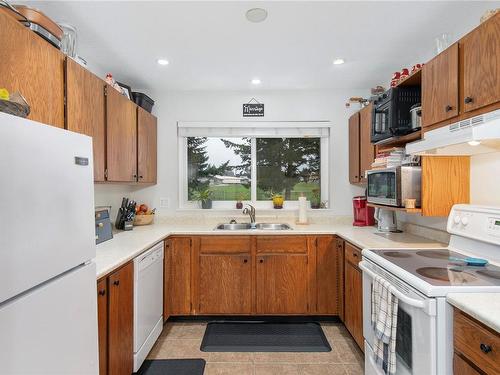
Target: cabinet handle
{"x":468,"y":100}
{"x":116,"y":282}
{"x":448,"y":108}
{"x":485,"y":348}
{"x":102,"y":292}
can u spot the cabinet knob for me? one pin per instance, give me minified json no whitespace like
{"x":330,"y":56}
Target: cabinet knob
{"x":116,"y":282}
{"x":448,"y":108}
{"x":261,"y":260}
{"x":245,"y":260}
{"x":468,"y":100}
{"x":135,"y":176}
{"x":140,"y":177}
{"x":485,"y":348}
{"x":102,"y":292}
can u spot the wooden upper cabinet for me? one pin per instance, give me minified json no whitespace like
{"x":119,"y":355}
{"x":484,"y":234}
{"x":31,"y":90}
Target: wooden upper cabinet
{"x":440,"y":87}
{"x":34,"y":68}
{"x":85,"y":110}
{"x":354,"y":155}
{"x":102,"y":321}
{"x":120,"y":321}
{"x":327,"y":276}
{"x":121,"y":121}
{"x":177,"y":276}
{"x":366,"y":149}
{"x":481,"y":65}
{"x":146,"y":146}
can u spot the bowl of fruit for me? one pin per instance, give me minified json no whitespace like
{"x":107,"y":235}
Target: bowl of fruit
{"x":143,"y":215}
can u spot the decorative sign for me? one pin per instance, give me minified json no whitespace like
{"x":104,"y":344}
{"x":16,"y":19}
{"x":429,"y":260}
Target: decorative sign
{"x":253,"y":109}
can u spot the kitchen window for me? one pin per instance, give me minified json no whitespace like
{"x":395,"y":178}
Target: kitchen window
{"x":251,"y":163}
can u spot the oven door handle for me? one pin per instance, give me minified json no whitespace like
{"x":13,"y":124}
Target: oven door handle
{"x":427,"y":305}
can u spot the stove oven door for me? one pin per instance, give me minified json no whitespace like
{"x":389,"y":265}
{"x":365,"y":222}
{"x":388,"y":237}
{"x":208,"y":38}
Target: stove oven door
{"x":416,"y":329}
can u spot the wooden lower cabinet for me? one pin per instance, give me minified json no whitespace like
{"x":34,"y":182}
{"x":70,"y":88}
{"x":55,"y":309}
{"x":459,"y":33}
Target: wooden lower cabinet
{"x":223,"y":275}
{"x":102,"y":322}
{"x":463,"y":367}
{"x":327,"y":276}
{"x":339,"y":244}
{"x":353,"y":293}
{"x":282,"y":285}
{"x":115,"y":296}
{"x":177,"y":277}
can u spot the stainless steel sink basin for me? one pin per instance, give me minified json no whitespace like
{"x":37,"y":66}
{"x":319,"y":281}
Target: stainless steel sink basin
{"x":272,"y":226}
{"x":248,"y":226}
{"x":241,"y":226}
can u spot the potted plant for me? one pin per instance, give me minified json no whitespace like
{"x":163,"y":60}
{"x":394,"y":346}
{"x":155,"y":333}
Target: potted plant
{"x":239,"y":203}
{"x":316,"y":199}
{"x":278,"y":201}
{"x":204,"y":196}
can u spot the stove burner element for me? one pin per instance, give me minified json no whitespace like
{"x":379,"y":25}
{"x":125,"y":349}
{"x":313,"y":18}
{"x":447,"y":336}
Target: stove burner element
{"x":489,"y":273}
{"x":435,"y":254}
{"x":453,"y":275}
{"x":397,"y":254}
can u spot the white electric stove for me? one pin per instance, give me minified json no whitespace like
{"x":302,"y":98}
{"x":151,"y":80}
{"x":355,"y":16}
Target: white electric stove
{"x":421,"y":279}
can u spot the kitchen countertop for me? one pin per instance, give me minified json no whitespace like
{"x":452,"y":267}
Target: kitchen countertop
{"x":127,"y":245}
{"x":482,"y":306}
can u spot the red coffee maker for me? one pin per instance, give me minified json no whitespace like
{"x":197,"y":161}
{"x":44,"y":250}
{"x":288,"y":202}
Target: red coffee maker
{"x":363,"y":215}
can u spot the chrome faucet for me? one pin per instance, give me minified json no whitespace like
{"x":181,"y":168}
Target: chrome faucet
{"x":250,"y":212}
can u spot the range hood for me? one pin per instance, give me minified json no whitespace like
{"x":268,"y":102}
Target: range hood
{"x":476,"y":135}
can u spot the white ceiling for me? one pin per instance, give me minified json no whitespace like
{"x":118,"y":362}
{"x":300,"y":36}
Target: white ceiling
{"x":211,"y":46}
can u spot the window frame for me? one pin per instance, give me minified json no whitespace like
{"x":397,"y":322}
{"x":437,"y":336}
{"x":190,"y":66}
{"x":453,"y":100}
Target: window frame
{"x":325,"y":142}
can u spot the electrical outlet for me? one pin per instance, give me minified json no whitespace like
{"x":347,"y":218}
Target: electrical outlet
{"x":164,"y":202}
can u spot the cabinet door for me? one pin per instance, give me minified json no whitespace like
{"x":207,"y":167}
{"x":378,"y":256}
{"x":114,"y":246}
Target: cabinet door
{"x":177,"y":274}
{"x":34,"y":68}
{"x":146,"y":146}
{"x":85,"y":110}
{"x":366,"y":149}
{"x":354,"y":156}
{"x":481,"y":65}
{"x":440,"y":87}
{"x":102,"y":321}
{"x":120,"y":321}
{"x":339,"y":243}
{"x":327,"y":276}
{"x":225,"y":284}
{"x":353,"y":314}
{"x":462,"y":367}
{"x":282,"y":284}
{"x":121,"y":122}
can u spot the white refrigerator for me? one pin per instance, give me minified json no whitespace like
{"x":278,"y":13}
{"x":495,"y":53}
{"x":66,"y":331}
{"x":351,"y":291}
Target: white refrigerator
{"x":48,"y":307}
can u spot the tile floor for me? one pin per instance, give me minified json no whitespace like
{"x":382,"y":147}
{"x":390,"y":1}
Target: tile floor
{"x":183,"y":340}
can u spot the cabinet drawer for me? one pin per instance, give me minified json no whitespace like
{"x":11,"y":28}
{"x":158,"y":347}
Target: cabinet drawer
{"x":352,"y":254}
{"x":477,"y":343}
{"x":224,"y":245}
{"x":282,"y":244}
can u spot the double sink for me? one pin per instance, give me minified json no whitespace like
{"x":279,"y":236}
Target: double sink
{"x":248,"y":226}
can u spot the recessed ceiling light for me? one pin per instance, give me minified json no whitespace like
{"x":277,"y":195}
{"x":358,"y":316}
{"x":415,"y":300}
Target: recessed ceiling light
{"x":256,"y":81}
{"x":338,"y":61}
{"x":474,"y":143}
{"x":256,"y":15}
{"x":162,"y":62}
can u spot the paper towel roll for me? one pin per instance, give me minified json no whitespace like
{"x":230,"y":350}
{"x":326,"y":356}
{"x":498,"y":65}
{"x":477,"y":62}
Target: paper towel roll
{"x":302,"y":210}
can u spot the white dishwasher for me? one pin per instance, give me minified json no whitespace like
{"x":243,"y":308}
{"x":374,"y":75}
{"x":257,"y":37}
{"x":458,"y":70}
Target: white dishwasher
{"x":148,"y":302}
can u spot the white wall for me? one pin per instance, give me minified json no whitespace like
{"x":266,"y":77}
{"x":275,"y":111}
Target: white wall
{"x":485,"y":179}
{"x":289,"y":105}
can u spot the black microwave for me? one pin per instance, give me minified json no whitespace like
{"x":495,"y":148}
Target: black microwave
{"x":391,"y":113}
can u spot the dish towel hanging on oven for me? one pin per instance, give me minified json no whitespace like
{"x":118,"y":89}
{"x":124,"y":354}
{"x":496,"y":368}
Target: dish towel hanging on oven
{"x":384,"y":320}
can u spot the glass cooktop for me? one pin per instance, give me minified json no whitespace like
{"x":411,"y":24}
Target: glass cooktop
{"x":442,"y":267}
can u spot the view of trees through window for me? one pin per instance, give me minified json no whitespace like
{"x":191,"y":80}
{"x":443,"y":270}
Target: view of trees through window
{"x":287,"y":166}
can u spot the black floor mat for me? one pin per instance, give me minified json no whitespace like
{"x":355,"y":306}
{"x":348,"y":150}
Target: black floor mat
{"x":264,"y":337}
{"x":172,"y":367}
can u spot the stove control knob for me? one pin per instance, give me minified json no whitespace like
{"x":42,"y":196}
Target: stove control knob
{"x":465,"y":221}
{"x":456,"y":219}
